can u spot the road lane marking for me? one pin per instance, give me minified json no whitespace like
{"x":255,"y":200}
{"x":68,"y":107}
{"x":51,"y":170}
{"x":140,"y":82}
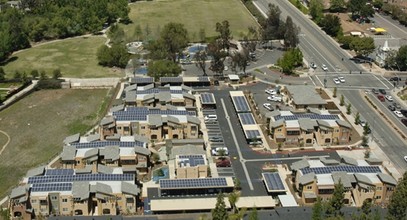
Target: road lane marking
{"x":242,"y":160}
{"x":380,"y":81}
{"x":391,"y":23}
{"x":312,"y":80}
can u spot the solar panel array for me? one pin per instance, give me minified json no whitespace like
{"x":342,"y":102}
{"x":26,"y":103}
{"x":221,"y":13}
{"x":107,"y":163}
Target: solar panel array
{"x":108,"y":143}
{"x":192,"y":183}
{"x":207,"y":98}
{"x":168,"y":112}
{"x":140,"y":114}
{"x":273,"y":181}
{"x":247,"y":119}
{"x":203,"y":79}
{"x":81,"y":177}
{"x":59,"y":172}
{"x":41,"y":187}
{"x":348,"y":169}
{"x":310,"y":116}
{"x":157,"y":90}
{"x":171,"y":79}
{"x":252,"y":134}
{"x":143,"y":80}
{"x":241,"y":104}
{"x":193,"y":160}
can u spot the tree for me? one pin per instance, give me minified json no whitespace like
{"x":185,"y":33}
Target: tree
{"x":224,"y":34}
{"x":360,"y":8}
{"x":163,"y":68}
{"x":200,"y":60}
{"x":337,"y":6}
{"x":349,"y":109}
{"x":331,"y":24}
{"x":366,"y":129}
{"x":233,"y":198}
{"x":335,"y":91}
{"x":116,"y":34}
{"x":157,"y":50}
{"x":34,"y":74}
{"x":202,"y":35}
{"x":397,"y":208}
{"x":241,"y":59}
{"x":17,"y":75}
{"x":272,"y":27}
{"x":43,"y":75}
{"x":218,"y":57}
{"x":2,"y":74}
{"x":357,"y":118}
{"x":174,"y":37}
{"x":138,"y":33}
{"x":220,"y":212}
{"x":401,"y":58}
{"x":365,"y":141}
{"x":291,"y":59}
{"x":253,"y":214}
{"x":362,"y":46}
{"x":316,"y":8}
{"x":342,"y":101}
{"x":345,"y":41}
{"x":336,"y":202}
{"x":56,"y":74}
{"x":291,"y":34}
{"x":116,"y":56}
{"x":317,"y":210}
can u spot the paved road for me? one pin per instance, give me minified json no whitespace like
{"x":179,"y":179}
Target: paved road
{"x":393,"y":27}
{"x":320,"y":48}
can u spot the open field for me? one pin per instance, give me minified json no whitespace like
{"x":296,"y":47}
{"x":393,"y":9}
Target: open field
{"x":39,"y":123}
{"x":75,"y":57}
{"x":194,"y":14}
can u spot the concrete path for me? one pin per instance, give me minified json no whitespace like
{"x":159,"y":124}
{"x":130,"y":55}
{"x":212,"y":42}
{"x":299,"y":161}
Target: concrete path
{"x":11,"y":100}
{"x":8,"y":141}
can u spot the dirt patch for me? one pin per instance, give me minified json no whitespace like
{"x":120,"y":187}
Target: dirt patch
{"x":348,"y":25}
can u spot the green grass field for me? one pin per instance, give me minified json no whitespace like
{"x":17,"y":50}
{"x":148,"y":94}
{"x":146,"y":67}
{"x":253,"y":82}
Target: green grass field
{"x":39,"y":123}
{"x":74,"y":57}
{"x":194,"y":14}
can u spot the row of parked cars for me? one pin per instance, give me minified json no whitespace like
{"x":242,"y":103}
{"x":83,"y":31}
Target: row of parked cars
{"x":393,"y":106}
{"x":274,"y":97}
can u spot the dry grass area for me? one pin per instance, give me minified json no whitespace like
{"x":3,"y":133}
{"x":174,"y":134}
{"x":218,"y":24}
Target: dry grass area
{"x":39,"y":123}
{"x":348,"y":25}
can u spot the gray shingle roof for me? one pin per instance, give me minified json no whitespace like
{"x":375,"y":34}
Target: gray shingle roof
{"x":323,"y":124}
{"x":130,"y":88}
{"x":173,"y":119}
{"x":314,"y":111}
{"x":68,"y":153}
{"x":362,"y":178}
{"x":80,"y":190}
{"x":142,"y":151}
{"x":103,"y":188}
{"x":184,"y":87}
{"x":72,"y":138}
{"x":343,"y":123}
{"x":273,"y":114}
{"x":300,"y":164}
{"x":129,"y":188}
{"x":349,"y":160}
{"x":104,"y":169}
{"x":87,"y":169}
{"x":305,"y":95}
{"x":331,"y":162}
{"x":110,"y":153}
{"x":36,"y":171}
{"x":91,"y":152}
{"x":92,"y":137}
{"x":387,"y":179}
{"x":140,"y":138}
{"x":130,"y":96}
{"x":187,"y":95}
{"x":18,"y":192}
{"x":150,"y":97}
{"x":155,"y":120}
{"x":307,"y":124}
{"x":276,"y":124}
{"x":193,"y":119}
{"x":163,"y":96}
{"x":148,"y":86}
{"x":107,"y":120}
{"x":344,"y":177}
{"x":117,"y":108}
{"x":307,"y":178}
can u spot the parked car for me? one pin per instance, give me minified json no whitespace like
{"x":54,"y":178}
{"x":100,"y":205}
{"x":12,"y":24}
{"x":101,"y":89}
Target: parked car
{"x":220,"y":150}
{"x":223,"y":162}
{"x":216,"y":139}
{"x":382,"y":91}
{"x":396,"y":105}
{"x":271,"y":91}
{"x":391,"y":108}
{"x":268,"y":106}
{"x":362,"y":123}
{"x":405,"y":158}
{"x":389,"y":98}
{"x":313,"y":65}
{"x":398,"y":114}
{"x":404,"y":112}
{"x":404,"y":121}
{"x":341,"y":78}
{"x":375,"y":91}
{"x":275,"y":98}
{"x":324,"y":67}
{"x":336,"y":81}
{"x":395,"y":79}
{"x":381,"y":98}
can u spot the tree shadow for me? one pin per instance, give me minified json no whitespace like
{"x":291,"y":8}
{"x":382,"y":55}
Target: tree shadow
{"x":9,"y":60}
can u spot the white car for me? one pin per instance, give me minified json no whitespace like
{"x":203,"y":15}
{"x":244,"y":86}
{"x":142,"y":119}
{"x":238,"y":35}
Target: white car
{"x":274,"y":98}
{"x":341,"y":78}
{"x":405,"y":158}
{"x":336,"y":81}
{"x":271,"y":91}
{"x":313,"y":65}
{"x":268,"y":106}
{"x":398,"y":114}
{"x":324,"y":67}
{"x":216,"y":151}
{"x":389,"y":98}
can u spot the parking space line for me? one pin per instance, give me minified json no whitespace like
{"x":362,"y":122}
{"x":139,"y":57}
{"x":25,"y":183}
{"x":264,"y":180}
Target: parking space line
{"x":237,"y":145}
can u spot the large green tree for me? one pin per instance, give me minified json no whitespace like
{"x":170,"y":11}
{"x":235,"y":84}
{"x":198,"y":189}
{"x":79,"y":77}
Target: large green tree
{"x":337,"y":6}
{"x":115,"y":56}
{"x":397,"y":208}
{"x":163,"y":68}
{"x":174,"y":38}
{"x":291,"y":33}
{"x":362,"y":46}
{"x":200,"y":60}
{"x":272,"y":27}
{"x":220,"y":212}
{"x":336,"y":202}
{"x":116,"y":34}
{"x":224,"y":34}
{"x":241,"y":59}
{"x":218,"y":57}
{"x":401,"y":58}
{"x":317,"y":210}
{"x":331,"y":24}
{"x":291,"y":59}
{"x":359,"y":7}
{"x":316,"y":8}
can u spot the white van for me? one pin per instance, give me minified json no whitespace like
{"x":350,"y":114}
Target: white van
{"x":211,"y":118}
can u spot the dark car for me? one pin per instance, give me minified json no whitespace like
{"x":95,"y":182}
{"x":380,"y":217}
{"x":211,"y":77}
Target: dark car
{"x":381,"y":98}
{"x":404,"y":121}
{"x":391,"y":108}
{"x":404,"y":112}
{"x":382,"y":91}
{"x":396,"y":105}
{"x":216,"y":139}
{"x":395,"y":79}
{"x":375,"y":91}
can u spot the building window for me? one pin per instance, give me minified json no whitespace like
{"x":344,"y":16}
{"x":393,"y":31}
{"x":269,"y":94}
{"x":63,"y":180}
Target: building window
{"x":64,"y":200}
{"x":337,"y":130}
{"x":293,"y":132}
{"x":106,"y":211}
{"x":129,"y":200}
{"x":33,"y":201}
{"x":53,"y":198}
{"x":390,"y":188}
{"x":64,"y":209}
{"x":379,"y":188}
{"x":309,"y":187}
{"x":327,"y":140}
{"x":143,"y":127}
{"x":309,"y":141}
{"x":378,"y":197}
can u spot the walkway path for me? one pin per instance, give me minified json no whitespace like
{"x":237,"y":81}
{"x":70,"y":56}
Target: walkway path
{"x":8,"y":141}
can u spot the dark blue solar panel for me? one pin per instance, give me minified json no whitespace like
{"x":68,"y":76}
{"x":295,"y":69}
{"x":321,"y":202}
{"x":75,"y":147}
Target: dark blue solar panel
{"x":240,"y":104}
{"x":108,"y":143}
{"x":273,"y":181}
{"x":41,"y":187}
{"x":203,"y":79}
{"x":81,"y":177}
{"x":143,"y":80}
{"x":348,"y":169}
{"x":252,"y":134}
{"x":59,"y":172}
{"x":193,"y":160}
{"x":192,"y":183}
{"x":310,"y":116}
{"x":247,"y":118}
{"x":207,"y":98}
{"x":171,"y":79}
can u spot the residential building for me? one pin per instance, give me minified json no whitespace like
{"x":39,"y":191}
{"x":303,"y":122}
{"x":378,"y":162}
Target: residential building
{"x":191,"y":166}
{"x":323,"y":129}
{"x":303,"y":97}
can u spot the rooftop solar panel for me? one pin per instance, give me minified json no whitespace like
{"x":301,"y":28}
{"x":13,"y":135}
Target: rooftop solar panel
{"x":310,"y":116}
{"x":207,"y":98}
{"x":192,"y":160}
{"x":252,"y":134}
{"x":81,"y":177}
{"x":247,"y":118}
{"x":108,"y":143}
{"x":193,"y":183}
{"x":348,"y":169}
{"x":273,"y":181}
{"x":240,"y":104}
{"x":41,"y":187}
{"x":171,"y":79}
{"x":50,"y":172}
{"x":142,"y":80}
{"x":203,"y":79}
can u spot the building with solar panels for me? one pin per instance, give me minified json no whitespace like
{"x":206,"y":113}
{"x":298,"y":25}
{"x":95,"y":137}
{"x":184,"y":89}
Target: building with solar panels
{"x":207,"y":101}
{"x":362,"y":181}
{"x":46,"y":192}
{"x":191,"y":166}
{"x":304,"y":97}
{"x":306,"y":129}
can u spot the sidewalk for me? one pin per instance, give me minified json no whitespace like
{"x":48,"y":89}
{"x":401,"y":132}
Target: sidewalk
{"x":15,"y":97}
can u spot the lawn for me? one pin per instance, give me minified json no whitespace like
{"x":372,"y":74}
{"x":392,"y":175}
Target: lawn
{"x":75,"y":57}
{"x":194,"y":14}
{"x":39,"y":123}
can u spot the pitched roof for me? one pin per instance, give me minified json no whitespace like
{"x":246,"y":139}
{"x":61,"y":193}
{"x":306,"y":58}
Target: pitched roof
{"x":155,"y":120}
{"x":307,"y":178}
{"x":18,"y":192}
{"x":36,"y":171}
{"x":187,"y":95}
{"x":91,"y":152}
{"x":80,"y":190}
{"x":163,"y":96}
{"x":87,"y":169}
{"x":344,"y":177}
{"x":305,"y":95}
{"x":300,"y":164}
{"x":107,"y":120}
{"x":72,"y":138}
{"x":349,"y":160}
{"x":307,"y":124}
{"x":142,"y":150}
{"x":343,"y":123}
{"x":173,"y":119}
{"x":362,"y":178}
{"x":103,"y":188}
{"x":273,"y":114}
{"x":117,"y":108}
{"x":92,"y":137}
{"x":130,"y":96}
{"x":140,"y":138}
{"x":110,"y":152}
{"x":104,"y":169}
{"x":326,"y":161}
{"x":387,"y":179}
{"x":323,"y":123}
{"x":276,"y":124}
{"x":129,"y":188}
{"x":68,"y":153}
{"x":193,"y":119}
{"x":131,"y":88}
